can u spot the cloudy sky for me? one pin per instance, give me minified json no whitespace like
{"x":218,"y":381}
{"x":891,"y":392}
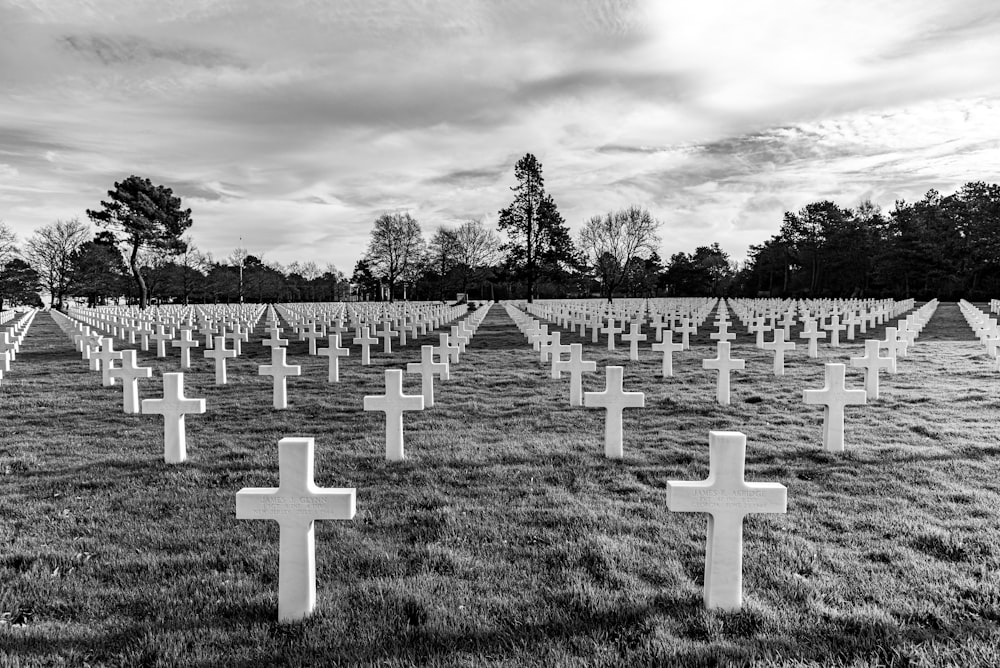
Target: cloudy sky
{"x":294,"y":124}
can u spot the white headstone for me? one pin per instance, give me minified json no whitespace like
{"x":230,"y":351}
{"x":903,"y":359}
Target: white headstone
{"x":296,"y":504}
{"x":668,"y":348}
{"x":130,"y":373}
{"x":280,"y":371}
{"x":173,"y":407}
{"x":727,"y":498}
{"x":334,"y":351}
{"x":779,"y":346}
{"x":834,"y":396}
{"x":576,"y":366}
{"x":220,"y":353}
{"x":393,"y":403}
{"x":614,"y":399}
{"x":723,"y":363}
{"x":427,"y":367}
{"x":871,"y":362}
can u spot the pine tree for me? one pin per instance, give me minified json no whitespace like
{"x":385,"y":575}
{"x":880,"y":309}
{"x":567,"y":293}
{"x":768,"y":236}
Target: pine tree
{"x":539,"y":242}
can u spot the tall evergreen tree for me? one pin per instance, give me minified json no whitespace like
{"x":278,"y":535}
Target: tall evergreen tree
{"x":539,"y":239}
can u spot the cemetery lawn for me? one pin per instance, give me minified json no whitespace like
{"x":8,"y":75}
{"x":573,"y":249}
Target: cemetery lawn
{"x":506,"y":537}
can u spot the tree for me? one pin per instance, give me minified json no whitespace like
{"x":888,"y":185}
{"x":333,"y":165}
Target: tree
{"x":396,"y":250}
{"x":478,"y":249}
{"x":147,"y":216}
{"x":19,"y":284}
{"x":98,"y":270}
{"x":612,"y":240}
{"x":366,"y":283}
{"x":8,"y":244}
{"x":50,"y":252}
{"x":539,"y":239}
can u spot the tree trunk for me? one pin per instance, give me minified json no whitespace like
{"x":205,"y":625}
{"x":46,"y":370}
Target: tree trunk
{"x":133,"y":263}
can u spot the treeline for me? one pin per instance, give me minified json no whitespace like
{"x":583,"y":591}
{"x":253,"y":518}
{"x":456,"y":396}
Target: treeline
{"x":945,"y":246}
{"x":942,"y":246}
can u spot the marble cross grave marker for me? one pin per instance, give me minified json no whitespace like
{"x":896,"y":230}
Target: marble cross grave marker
{"x":130,"y":375}
{"x":185,"y":343}
{"x":295,"y":504}
{"x":334,"y":351}
{"x":173,"y":407}
{"x":576,"y":366}
{"x":614,"y":399}
{"x":427,"y":367}
{"x":393,"y":403}
{"x":668,"y":348}
{"x":633,"y":337}
{"x":220,"y":353}
{"x":280,"y":371}
{"x":871,"y":362}
{"x":834,"y":396}
{"x":727,"y":498}
{"x":780,"y":347}
{"x":723,"y":363}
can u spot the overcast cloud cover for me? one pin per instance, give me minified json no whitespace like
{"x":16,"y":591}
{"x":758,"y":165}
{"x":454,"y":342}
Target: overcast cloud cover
{"x":294,"y":124}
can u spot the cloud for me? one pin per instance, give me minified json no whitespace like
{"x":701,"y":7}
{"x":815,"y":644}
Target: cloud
{"x":131,"y":50}
{"x":296,"y":125}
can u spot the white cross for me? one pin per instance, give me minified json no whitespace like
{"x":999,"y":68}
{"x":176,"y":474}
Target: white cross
{"x":274,"y":340}
{"x":834,"y":396}
{"x":296,"y":504}
{"x":393,"y":403}
{"x":334,"y":352}
{"x":811,"y":332}
{"x":723,"y":334}
{"x":723,"y":363}
{"x":280,"y":371}
{"x":445,"y":350}
{"x":220,"y":353}
{"x":237,"y":336}
{"x":365,"y":340}
{"x":314,"y":332}
{"x":611,"y":329}
{"x":536,"y":335}
{"x":576,"y":366}
{"x":161,"y":337}
{"x":894,"y":346}
{"x":130,"y":374}
{"x":871,"y":362}
{"x":633,"y":337}
{"x":173,"y":407}
{"x":780,"y":347}
{"x":668,"y":348}
{"x":387,"y":335}
{"x":757,"y":326}
{"x":107,"y":355}
{"x":686,"y":328}
{"x":835,"y":328}
{"x":427,"y":367}
{"x":728,"y":499}
{"x":185,"y":344}
{"x":615,"y":400}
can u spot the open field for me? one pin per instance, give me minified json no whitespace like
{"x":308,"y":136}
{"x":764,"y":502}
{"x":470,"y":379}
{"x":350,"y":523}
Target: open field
{"x":506,"y":537}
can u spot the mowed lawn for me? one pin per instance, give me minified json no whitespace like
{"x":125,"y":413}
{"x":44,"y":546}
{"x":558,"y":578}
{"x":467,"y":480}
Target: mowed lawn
{"x":506,"y":537}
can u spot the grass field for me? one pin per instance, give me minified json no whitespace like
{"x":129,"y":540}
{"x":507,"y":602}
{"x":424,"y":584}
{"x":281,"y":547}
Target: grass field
{"x":505,"y":538}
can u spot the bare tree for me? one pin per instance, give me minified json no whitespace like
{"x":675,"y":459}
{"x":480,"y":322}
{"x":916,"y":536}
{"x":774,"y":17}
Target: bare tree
{"x":238,"y":259}
{"x":193,"y":265}
{"x":50,"y":252}
{"x":8,"y":244}
{"x":611,"y":240}
{"x":396,"y":250}
{"x":478,"y":249}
